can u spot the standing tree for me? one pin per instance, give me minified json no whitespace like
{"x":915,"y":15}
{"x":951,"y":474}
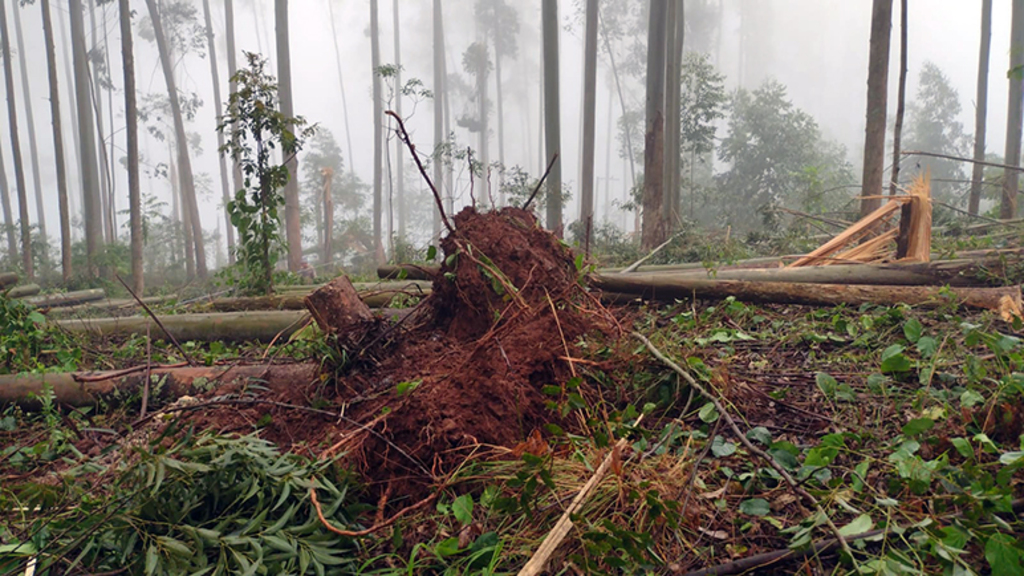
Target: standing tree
{"x":501,"y":23}
{"x":131,"y":119}
{"x":476,"y":61}
{"x":981,"y":107}
{"x":439,"y":97}
{"x":901,"y":96}
{"x":229,"y":33}
{"x":341,"y":79}
{"x":934,"y":125}
{"x":878,"y":84}
{"x":293,"y":225}
{"x":552,"y":118}
{"x":19,"y":170}
{"x":399,"y":149}
{"x":218,"y":109}
{"x":378,"y":134}
{"x":654,"y":232}
{"x":187,"y":182}
{"x":675,"y":28}
{"x":12,"y":241}
{"x":589,"y":105}
{"x":1014,"y":113}
{"x":30,"y":123}
{"x":258,"y":127}
{"x":58,"y":144}
{"x":91,"y":206}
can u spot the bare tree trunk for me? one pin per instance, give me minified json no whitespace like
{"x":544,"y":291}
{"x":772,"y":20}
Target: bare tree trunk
{"x":12,"y":241}
{"x":131,"y":119}
{"x":19,"y":169}
{"x":654,"y":232}
{"x":900,"y":101}
{"x":485,"y":129}
{"x":552,"y":120}
{"x":218,"y":109}
{"x":293,"y":226}
{"x":622,"y":104}
{"x":188,"y":190}
{"x":33,"y":150}
{"x":399,"y":149}
{"x":328,"y":240}
{"x":439,"y":135}
{"x":91,"y":206}
{"x":673,"y":137}
{"x":97,"y":104}
{"x":878,"y":85}
{"x":229,"y":33}
{"x":981,"y":107}
{"x":589,"y":112}
{"x":1015,"y":112}
{"x":58,"y":144}
{"x":69,"y":80}
{"x":112,"y":156}
{"x":341,"y":83}
{"x":501,"y":123}
{"x":378,"y":135}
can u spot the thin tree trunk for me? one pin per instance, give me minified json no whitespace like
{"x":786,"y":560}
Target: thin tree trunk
{"x":97,"y":104}
{"x":439,"y":135}
{"x":328,"y":240}
{"x":30,"y":123}
{"x":218,"y":109}
{"x":673,"y":138}
{"x":1015,"y":112}
{"x":399,"y":148}
{"x":481,"y":93}
{"x":981,"y":108}
{"x":653,"y":231}
{"x":229,"y":33}
{"x":188,"y":189}
{"x":72,"y":107}
{"x":5,"y":196}
{"x":19,"y":169}
{"x":622,"y":104}
{"x":589,"y":113}
{"x":878,"y":85}
{"x":900,"y":101}
{"x":501,"y":124}
{"x":552,"y":120}
{"x":91,"y":206}
{"x":378,"y":135}
{"x":112,"y":156}
{"x":58,"y":144}
{"x":293,"y":226}
{"x":341,"y":83}
{"x":131,"y":119}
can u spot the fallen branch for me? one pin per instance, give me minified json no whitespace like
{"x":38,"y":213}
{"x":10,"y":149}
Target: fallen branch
{"x":66,"y":298}
{"x":632,"y":267}
{"x":157,"y":320}
{"x":403,"y":135}
{"x":526,"y":205}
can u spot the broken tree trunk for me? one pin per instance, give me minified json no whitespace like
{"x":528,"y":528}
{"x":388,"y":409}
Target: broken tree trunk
{"x":338,"y":310}
{"x":225,"y":326}
{"x":23,"y":291}
{"x":67,"y":298}
{"x":670,"y":287}
{"x":89,"y":388}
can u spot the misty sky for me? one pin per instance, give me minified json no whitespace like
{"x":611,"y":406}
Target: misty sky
{"x":818,"y":48}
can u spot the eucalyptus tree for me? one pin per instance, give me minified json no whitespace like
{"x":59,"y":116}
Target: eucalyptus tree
{"x":1014,"y":112}
{"x":878,"y":85}
{"x":341,"y":79}
{"x":58,"y":143}
{"x":552,"y":118}
{"x":19,"y":169}
{"x":30,"y":124}
{"x":934,"y":125}
{"x":981,"y":107}
{"x":589,"y":105}
{"x":675,"y":26}
{"x":218,"y":109}
{"x":293,"y":225}
{"x":5,"y":198}
{"x":440,"y":95}
{"x":500,"y":21}
{"x":399,"y":149}
{"x":378,"y":134}
{"x":476,"y":61}
{"x":654,"y":231}
{"x":229,"y":35}
{"x":91,"y":205}
{"x":132,"y":125}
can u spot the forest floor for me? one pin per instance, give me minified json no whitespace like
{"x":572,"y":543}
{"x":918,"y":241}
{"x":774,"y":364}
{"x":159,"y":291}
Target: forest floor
{"x":872,"y":439}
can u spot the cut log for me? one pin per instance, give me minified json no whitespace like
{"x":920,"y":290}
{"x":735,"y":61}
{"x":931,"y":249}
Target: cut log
{"x":8,"y":279}
{"x":338,"y":310}
{"x":67,"y":298}
{"x":23,"y":291}
{"x":225,"y":326}
{"x":89,"y":388}
{"x":668,"y":287}
{"x":296,"y":301}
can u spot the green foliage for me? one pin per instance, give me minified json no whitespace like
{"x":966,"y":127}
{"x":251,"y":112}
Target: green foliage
{"x":29,"y":344}
{"x":933,"y":125}
{"x":255,"y":127}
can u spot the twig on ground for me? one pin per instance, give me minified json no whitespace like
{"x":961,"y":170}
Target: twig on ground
{"x":746,"y":441}
{"x":157,"y":320}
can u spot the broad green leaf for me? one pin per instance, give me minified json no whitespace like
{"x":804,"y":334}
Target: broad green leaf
{"x":860,"y":525}
{"x":970,"y":398}
{"x":721,"y":448}
{"x":1011,"y":458}
{"x":1003,"y":555}
{"x":755,"y":507}
{"x":912,"y":330}
{"x":462,"y":508}
{"x":893,"y":360}
{"x":927,"y":346}
{"x":708,"y":413}
{"x":963,"y":446}
{"x":447,"y":547}
{"x":918,"y":426}
{"x":760,"y":434}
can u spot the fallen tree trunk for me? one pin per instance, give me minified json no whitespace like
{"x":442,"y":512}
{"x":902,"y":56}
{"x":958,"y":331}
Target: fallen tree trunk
{"x":23,"y":291}
{"x":8,"y":279}
{"x":89,"y":388}
{"x":67,"y":298}
{"x":225,"y":326}
{"x":295,"y":301}
{"x":672,"y":287}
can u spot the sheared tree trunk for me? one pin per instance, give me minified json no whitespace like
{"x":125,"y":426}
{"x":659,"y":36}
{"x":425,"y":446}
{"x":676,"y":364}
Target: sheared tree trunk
{"x":1014,"y":113}
{"x":589,"y":113}
{"x":378,"y":135}
{"x":229,"y":33}
{"x":30,"y":123}
{"x":58,"y":144}
{"x":654,"y":232}
{"x":293,"y":225}
{"x":341,"y":83}
{"x":552,"y":119}
{"x":399,"y":148}
{"x":981,"y":107}
{"x":218,"y":109}
{"x":439,"y":96}
{"x":131,"y":120}
{"x":900,"y":101}
{"x":673,"y":137}
{"x":188,"y":189}
{"x":878,"y":84}
{"x":19,"y":169}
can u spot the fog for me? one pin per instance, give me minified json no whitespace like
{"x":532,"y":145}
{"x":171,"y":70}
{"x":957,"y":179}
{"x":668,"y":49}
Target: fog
{"x":817,"y":48}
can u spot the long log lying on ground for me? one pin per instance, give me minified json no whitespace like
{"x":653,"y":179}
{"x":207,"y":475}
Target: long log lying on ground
{"x":671,"y":287}
{"x":23,"y":291}
{"x":88,"y":388}
{"x":67,"y":298}
{"x":8,"y":279}
{"x":295,"y":301}
{"x":225,"y":326}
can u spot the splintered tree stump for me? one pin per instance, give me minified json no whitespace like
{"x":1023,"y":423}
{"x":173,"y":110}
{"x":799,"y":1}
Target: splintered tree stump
{"x":337,"y":309}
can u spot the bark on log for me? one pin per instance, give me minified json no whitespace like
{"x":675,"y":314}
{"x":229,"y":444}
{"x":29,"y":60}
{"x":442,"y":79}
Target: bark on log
{"x":88,"y":388}
{"x":296,"y":301}
{"x":23,"y":291}
{"x":338,"y":310}
{"x":226,"y":326}
{"x":67,"y":298}
{"x":670,"y":287}
{"x":8,"y":279}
